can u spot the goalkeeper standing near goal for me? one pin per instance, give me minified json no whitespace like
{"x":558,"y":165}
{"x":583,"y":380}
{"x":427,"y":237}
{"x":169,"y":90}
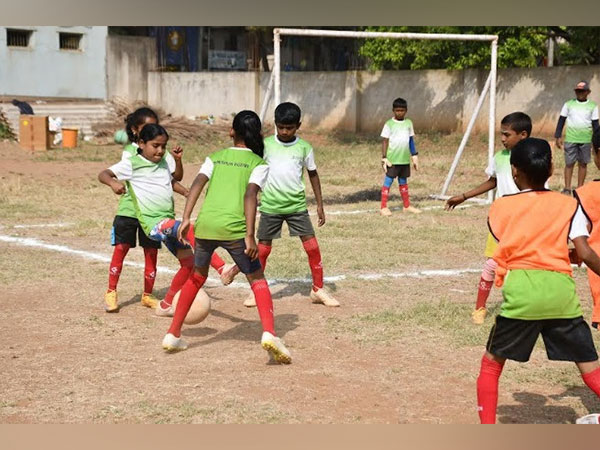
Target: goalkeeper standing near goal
{"x":397,"y":150}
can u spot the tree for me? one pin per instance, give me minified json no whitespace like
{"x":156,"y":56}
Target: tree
{"x":517,"y":47}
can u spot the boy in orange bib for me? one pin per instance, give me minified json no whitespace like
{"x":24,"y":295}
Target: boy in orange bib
{"x":589,"y":199}
{"x":532,"y":229}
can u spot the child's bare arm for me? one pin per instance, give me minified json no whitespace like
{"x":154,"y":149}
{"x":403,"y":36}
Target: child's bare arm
{"x":180,"y":188}
{"x":250,"y":202}
{"x":481,"y":189}
{"x":587,"y":254}
{"x":384,"y":148}
{"x":177,"y":153}
{"x":108,"y":177}
{"x":195,"y":191}
{"x":315,"y":182}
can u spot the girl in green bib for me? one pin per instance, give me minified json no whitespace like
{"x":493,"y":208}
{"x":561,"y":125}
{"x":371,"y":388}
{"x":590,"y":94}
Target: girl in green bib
{"x":233,"y":177}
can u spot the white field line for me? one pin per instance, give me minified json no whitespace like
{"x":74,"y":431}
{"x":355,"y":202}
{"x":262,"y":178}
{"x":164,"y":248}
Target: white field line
{"x":36,"y":243}
{"x":41,"y":225}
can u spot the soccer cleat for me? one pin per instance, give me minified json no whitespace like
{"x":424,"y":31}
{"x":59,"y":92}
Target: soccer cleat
{"x":275,"y":347}
{"x":228,"y":273}
{"x":164,"y":312}
{"x":478,"y":316}
{"x":149,"y":300}
{"x":111,"y":302}
{"x":590,"y":419}
{"x":322,"y":296}
{"x":171,"y":343}
{"x":250,"y":301}
{"x":385,"y":212}
{"x":412,"y":209}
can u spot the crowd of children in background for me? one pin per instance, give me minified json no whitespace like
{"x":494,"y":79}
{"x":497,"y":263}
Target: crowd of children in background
{"x":526,"y":250}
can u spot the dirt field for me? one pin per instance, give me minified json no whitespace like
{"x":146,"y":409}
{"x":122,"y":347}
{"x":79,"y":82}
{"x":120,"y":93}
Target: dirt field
{"x":401,"y":349}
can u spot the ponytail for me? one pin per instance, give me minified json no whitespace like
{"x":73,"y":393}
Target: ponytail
{"x":247,"y":126}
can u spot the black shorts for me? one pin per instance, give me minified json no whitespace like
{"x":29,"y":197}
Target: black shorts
{"x":398,"y":170}
{"x":124,"y":230}
{"x":206,"y":247}
{"x":269,"y":226}
{"x":565,"y":339}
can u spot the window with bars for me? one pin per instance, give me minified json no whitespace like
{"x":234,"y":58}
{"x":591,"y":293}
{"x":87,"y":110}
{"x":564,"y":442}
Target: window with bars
{"x":17,"y":38}
{"x":70,"y":41}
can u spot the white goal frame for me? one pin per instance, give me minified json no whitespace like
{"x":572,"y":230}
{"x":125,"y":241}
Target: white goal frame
{"x":490,"y":84}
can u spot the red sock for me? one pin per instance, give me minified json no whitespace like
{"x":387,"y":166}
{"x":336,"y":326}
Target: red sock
{"x":385,"y":193}
{"x":487,"y":389}
{"x":186,"y":298}
{"x":486,"y":282}
{"x":264,"y":304}
{"x":592,"y":379}
{"x":404,"y":193}
{"x":182,"y":275}
{"x":116,"y":264}
{"x":263,"y":253}
{"x":216,"y":262}
{"x":314,"y":261}
{"x":150,"y":255}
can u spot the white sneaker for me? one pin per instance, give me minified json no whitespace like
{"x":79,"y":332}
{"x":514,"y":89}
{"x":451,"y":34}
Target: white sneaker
{"x":590,"y":419}
{"x":171,"y":343}
{"x":322,"y":296}
{"x":250,"y":301}
{"x":275,"y":347}
{"x":228,"y":273}
{"x":166,"y":312}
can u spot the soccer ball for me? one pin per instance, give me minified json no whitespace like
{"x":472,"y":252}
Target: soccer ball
{"x":198,"y":311}
{"x":121,"y":137}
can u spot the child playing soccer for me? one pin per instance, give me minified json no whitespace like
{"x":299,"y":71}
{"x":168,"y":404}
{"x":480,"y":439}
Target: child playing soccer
{"x":589,"y":199}
{"x":226,"y":219}
{"x":397,"y":149}
{"x":532,"y":228}
{"x":150,"y":178}
{"x":126,"y":225}
{"x":581,"y":117}
{"x":513,"y":128}
{"x":284,"y":199}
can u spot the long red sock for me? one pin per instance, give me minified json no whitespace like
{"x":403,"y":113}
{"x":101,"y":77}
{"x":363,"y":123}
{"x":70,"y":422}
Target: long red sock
{"x":486,"y":282}
{"x":264,"y":304}
{"x":592,"y":379}
{"x":116,"y":264}
{"x":314,"y":261}
{"x":182,"y":275}
{"x":404,"y":194}
{"x":186,"y":298}
{"x":385,"y":194}
{"x":150,"y":256}
{"x":263,"y":253}
{"x":487,"y":389}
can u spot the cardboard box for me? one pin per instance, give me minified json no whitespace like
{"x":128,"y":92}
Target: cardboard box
{"x":34,"y":133}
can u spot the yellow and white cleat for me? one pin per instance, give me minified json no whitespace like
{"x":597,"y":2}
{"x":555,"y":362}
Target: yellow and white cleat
{"x":275,"y":347}
{"x":149,"y":301}
{"x":172,"y":344}
{"x":324,"y":297}
{"x":478,"y":316}
{"x":111,"y":302}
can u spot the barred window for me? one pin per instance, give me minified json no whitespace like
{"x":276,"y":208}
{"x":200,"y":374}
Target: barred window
{"x":17,"y":38}
{"x":70,"y":41}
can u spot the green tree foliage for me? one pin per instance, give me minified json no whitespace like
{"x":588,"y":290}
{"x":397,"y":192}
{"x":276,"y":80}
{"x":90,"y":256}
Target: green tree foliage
{"x":517,"y":47}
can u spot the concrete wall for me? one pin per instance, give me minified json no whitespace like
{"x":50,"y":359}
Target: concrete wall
{"x":44,"y":70}
{"x":361,"y":101}
{"x":129,"y":60}
{"x":204,"y":93}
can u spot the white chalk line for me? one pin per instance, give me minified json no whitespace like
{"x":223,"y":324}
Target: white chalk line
{"x":32,"y":242}
{"x":41,"y":225}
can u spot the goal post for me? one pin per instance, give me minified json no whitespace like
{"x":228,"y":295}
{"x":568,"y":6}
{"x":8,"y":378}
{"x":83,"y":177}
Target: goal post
{"x":274,"y":87}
